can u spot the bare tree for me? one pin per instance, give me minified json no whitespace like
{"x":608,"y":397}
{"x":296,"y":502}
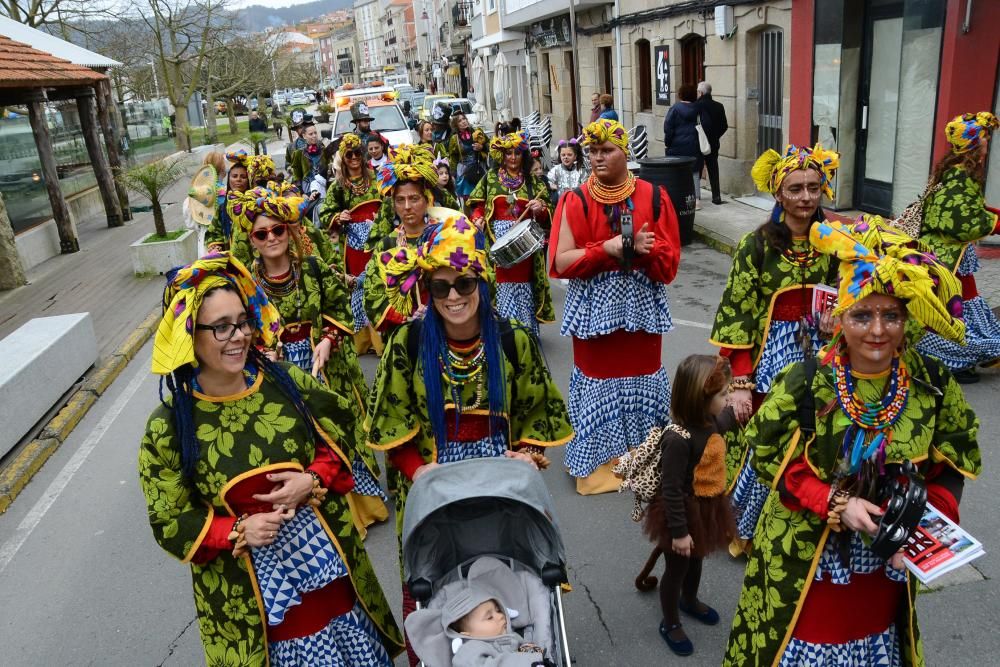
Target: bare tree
{"x":61,"y":17}
{"x":182,"y":37}
{"x":235,"y":68}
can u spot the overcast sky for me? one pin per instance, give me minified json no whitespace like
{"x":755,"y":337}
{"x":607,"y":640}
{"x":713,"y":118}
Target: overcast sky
{"x":270,"y":3}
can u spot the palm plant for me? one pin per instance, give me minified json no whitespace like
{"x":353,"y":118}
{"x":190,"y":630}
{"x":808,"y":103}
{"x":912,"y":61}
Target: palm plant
{"x":151,"y":181}
{"x":255,"y":139}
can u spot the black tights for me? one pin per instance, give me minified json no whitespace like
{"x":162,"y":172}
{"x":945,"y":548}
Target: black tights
{"x":680,"y":579}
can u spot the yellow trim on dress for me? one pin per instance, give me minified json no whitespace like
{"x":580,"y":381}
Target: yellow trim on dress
{"x":340,"y":325}
{"x":201,"y":536}
{"x":937,"y":457}
{"x":395,"y":443}
{"x":284,"y":465}
{"x":232,"y":397}
{"x":802,"y":596}
{"x":548,"y":443}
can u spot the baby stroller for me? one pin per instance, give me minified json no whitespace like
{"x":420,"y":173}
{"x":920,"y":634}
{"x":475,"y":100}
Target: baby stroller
{"x":486,"y":509}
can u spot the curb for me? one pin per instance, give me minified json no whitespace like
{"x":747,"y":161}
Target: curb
{"x":16,"y":474}
{"x":715,"y":240}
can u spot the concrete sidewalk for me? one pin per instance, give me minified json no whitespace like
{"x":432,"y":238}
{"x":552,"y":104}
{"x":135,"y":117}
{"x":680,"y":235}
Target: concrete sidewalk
{"x":721,"y":226}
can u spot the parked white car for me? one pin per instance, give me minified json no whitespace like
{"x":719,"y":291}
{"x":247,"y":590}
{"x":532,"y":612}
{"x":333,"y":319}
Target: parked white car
{"x":299,"y":98}
{"x":463,"y":105}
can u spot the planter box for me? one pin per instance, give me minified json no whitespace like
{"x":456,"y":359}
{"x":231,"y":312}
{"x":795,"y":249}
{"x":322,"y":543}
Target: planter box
{"x":161,"y":256}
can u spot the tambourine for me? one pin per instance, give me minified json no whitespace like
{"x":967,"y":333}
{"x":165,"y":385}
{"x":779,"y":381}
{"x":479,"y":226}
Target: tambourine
{"x":906,"y":504}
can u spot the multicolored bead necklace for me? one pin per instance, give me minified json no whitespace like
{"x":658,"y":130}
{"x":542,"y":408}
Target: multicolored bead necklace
{"x":359,"y":186}
{"x":509,"y":182}
{"x":801,"y":259}
{"x":465,"y":364}
{"x":869,"y":432}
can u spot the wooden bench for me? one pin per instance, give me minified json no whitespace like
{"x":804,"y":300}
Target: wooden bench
{"x":41,"y":361}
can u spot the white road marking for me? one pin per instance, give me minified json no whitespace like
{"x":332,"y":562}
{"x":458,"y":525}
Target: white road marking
{"x":689,"y":323}
{"x":58,"y":485}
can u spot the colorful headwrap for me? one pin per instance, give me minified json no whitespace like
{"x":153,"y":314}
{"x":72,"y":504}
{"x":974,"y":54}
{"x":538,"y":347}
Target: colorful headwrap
{"x":173,"y":346}
{"x":408,"y":162}
{"x":284,"y":188}
{"x":259,"y":166}
{"x":453,"y":242}
{"x":770,"y":169}
{"x":605,"y":129}
{"x":967,"y":132}
{"x":239,"y":157}
{"x":349,"y":141}
{"x":878,"y":259}
{"x":505,"y":142}
{"x":267,"y":203}
{"x":479,"y":137}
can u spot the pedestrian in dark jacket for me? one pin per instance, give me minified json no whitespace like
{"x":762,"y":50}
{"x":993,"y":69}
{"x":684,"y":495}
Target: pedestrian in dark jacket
{"x":717,"y":127}
{"x":259,"y":125}
{"x":680,"y":133}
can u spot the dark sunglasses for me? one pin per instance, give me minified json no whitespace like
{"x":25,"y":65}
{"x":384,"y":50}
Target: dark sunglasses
{"x":354,"y":152}
{"x":464,"y":285}
{"x":277,"y":231}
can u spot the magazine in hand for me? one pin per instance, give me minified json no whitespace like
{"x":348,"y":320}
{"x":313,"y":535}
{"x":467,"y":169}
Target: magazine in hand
{"x":939,"y":545}
{"x":824,"y":299}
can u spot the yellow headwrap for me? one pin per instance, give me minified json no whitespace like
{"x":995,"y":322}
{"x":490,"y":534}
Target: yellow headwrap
{"x":348,"y":142}
{"x":173,"y":345}
{"x":266,"y":202}
{"x":605,"y":129}
{"x":770,"y":169}
{"x":408,"y":162}
{"x":259,"y":166}
{"x":878,"y":259}
{"x":506,"y":142}
{"x":453,"y":242}
{"x":966,"y":132}
{"x":284,"y":188}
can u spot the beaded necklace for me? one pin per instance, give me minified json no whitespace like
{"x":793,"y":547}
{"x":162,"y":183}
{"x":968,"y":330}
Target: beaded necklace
{"x":279,"y":287}
{"x":358,"y":188}
{"x":603,"y":194}
{"x":511,"y":184}
{"x":465,"y":364}
{"x":802,"y":259}
{"x":871,"y":421}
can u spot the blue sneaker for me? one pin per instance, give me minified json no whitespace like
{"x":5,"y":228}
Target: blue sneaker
{"x":680,"y":647}
{"x":708,"y":617}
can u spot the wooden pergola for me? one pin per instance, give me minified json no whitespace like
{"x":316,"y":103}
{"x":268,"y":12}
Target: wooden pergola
{"x":30,"y":77}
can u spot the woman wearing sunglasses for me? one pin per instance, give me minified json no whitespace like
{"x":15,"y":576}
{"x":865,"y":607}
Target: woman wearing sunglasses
{"x":244,"y":468}
{"x":316,"y":329}
{"x":409,"y":184}
{"x":816,"y":591}
{"x":503,"y":198}
{"x":347,"y":213}
{"x":461,"y":382}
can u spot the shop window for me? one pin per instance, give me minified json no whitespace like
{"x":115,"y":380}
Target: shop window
{"x":644,"y":67}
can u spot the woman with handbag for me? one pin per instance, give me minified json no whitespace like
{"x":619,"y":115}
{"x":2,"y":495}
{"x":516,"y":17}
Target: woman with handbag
{"x":685,"y":133}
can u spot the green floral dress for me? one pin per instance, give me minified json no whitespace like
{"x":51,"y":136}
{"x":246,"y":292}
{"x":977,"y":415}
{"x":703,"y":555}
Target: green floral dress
{"x":790,"y":543}
{"x":320,"y":303}
{"x":238,"y":434}
{"x":524,"y":296}
{"x":397,"y":408}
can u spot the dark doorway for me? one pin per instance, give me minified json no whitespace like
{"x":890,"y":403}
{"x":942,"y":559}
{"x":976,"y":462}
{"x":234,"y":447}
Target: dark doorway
{"x":770,"y":90}
{"x":692,"y":60}
{"x":606,"y":63}
{"x":571,"y":68}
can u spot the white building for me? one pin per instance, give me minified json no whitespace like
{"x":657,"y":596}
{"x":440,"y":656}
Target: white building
{"x":368,"y":19}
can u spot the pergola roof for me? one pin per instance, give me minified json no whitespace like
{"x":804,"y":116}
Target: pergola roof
{"x":22,"y":67}
{"x":60,"y":48}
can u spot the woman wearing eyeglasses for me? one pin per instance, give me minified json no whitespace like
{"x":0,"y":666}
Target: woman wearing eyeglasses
{"x":826,"y":586}
{"x":461,"y":382}
{"x":765,"y":320}
{"x":503,"y":198}
{"x":351,"y":205}
{"x":315,"y":330}
{"x":244,"y":468}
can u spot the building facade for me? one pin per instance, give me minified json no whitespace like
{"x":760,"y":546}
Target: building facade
{"x":368,"y":19}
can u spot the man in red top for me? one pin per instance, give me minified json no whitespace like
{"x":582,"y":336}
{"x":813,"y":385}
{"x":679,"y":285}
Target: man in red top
{"x":617,"y":242}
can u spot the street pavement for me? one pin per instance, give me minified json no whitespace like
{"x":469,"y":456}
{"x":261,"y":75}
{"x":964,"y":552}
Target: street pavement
{"x":83,"y":583}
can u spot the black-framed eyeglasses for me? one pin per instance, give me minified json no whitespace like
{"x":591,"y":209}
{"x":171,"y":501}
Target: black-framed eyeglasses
{"x":464,"y":285}
{"x":225,"y":331}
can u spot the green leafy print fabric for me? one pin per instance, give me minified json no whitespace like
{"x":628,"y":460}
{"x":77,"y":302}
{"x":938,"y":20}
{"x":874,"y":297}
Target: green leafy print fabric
{"x":257,"y":428}
{"x":788,"y":542}
{"x":397,"y":405}
{"x":385,"y":219}
{"x":322,"y":300}
{"x":339,"y":199}
{"x":955,"y":216}
{"x":754,"y":279}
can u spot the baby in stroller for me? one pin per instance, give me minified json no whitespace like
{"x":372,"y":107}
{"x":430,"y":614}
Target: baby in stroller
{"x":470,"y":622}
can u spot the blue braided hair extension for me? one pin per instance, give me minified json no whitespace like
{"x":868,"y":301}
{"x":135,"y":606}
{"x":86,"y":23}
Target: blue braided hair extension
{"x":777,"y":213}
{"x":181,"y":386}
{"x":432,"y":353}
{"x":496,"y":368}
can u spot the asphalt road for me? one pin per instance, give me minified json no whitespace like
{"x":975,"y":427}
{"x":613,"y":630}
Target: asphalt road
{"x":83,"y":583}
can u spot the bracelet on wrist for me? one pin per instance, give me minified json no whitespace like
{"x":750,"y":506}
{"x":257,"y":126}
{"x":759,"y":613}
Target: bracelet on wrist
{"x":318,"y":493}
{"x":835,"y":507}
{"x":742,"y":384}
{"x":238,"y":537}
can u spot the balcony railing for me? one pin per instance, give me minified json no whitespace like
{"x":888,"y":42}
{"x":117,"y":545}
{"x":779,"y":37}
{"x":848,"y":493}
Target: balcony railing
{"x":461,"y":13}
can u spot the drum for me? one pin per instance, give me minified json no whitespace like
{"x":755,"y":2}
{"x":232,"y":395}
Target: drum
{"x":522,"y":241}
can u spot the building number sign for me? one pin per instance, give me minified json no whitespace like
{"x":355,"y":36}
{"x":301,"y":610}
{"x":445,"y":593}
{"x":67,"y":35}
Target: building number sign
{"x":661,"y":56}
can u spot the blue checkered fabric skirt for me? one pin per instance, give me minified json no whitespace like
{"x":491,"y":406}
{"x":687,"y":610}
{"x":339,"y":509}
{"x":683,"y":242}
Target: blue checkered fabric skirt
{"x":748,"y":499}
{"x":982,"y":330}
{"x":357,"y":236}
{"x":365,"y":483}
{"x":611,"y":416}
{"x":484,"y":448}
{"x":876,"y":650}
{"x":515,"y":300}
{"x":349,"y":640}
{"x":300,"y":353}
{"x":780,"y":350}
{"x":615,"y":300}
